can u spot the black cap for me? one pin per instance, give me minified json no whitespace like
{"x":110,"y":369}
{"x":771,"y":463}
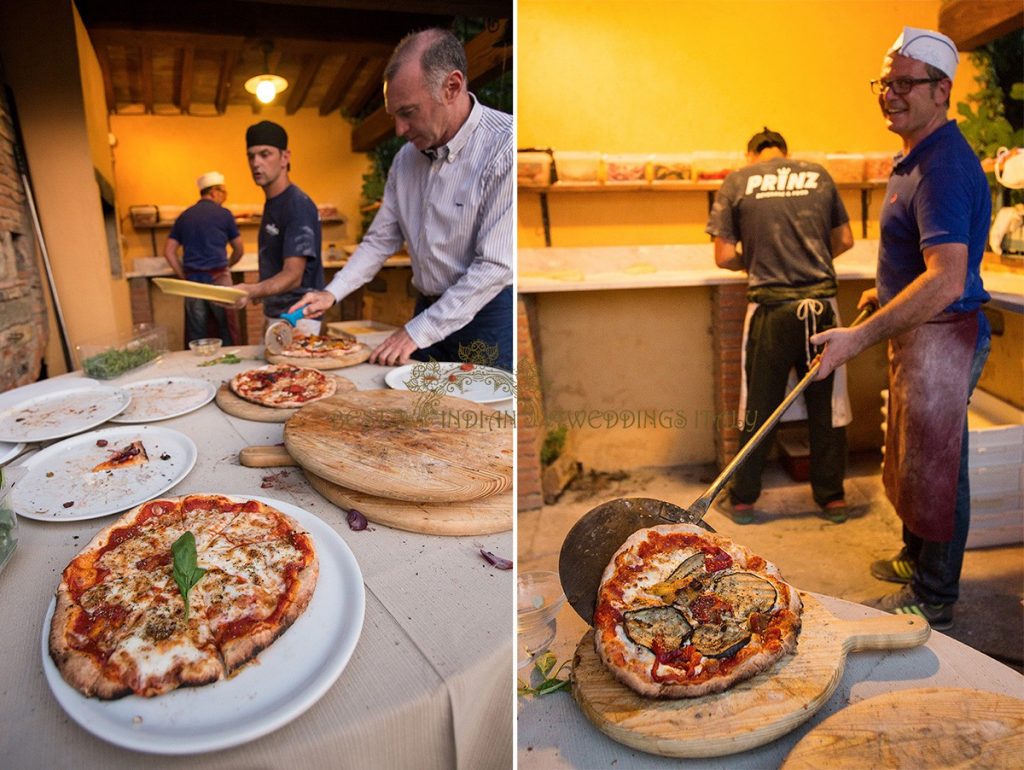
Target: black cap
{"x":766,"y":138}
{"x":266,"y":132}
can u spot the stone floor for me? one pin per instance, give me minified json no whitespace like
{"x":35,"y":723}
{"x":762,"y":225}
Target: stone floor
{"x":813,"y":553}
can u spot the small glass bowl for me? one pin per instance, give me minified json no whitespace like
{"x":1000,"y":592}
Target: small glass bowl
{"x":539,"y":597}
{"x":207,"y":346}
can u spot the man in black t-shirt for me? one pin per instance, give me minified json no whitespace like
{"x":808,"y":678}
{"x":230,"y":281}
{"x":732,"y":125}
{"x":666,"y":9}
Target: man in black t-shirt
{"x":290,"y":237}
{"x":782,"y":221}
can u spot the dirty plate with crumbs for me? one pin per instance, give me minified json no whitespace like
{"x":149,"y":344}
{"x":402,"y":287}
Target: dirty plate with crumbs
{"x":165,"y":397}
{"x":64,"y":413}
{"x":60,"y":484}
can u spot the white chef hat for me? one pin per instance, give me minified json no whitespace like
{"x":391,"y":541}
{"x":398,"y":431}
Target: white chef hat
{"x":928,"y":46}
{"x":209,"y":179}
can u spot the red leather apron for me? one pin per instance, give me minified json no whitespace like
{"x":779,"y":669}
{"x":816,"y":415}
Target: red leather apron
{"x":929,"y":375}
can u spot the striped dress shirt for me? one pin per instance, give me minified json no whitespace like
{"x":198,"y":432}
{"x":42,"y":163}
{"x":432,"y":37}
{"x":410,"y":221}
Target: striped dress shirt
{"x":453,"y":209}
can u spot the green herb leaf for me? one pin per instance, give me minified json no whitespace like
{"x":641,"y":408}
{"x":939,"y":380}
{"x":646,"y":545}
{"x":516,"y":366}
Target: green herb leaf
{"x":187,"y":572}
{"x":227,"y":358}
{"x":543,"y":667}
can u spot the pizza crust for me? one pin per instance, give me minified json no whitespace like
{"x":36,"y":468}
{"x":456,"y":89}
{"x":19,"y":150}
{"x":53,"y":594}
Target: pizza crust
{"x":646,"y":560}
{"x":132,"y":455}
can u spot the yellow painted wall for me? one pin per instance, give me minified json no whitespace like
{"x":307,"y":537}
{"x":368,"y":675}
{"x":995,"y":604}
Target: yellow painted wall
{"x":38,"y":43}
{"x":96,"y":115}
{"x":158,"y":158}
{"x":680,"y":76}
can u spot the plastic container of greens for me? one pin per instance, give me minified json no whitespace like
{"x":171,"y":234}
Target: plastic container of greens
{"x":112,"y":356}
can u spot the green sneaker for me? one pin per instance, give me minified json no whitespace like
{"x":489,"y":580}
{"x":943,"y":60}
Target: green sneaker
{"x":904,"y":602}
{"x":898,"y":569}
{"x":835,"y":511}
{"x":740,"y":513}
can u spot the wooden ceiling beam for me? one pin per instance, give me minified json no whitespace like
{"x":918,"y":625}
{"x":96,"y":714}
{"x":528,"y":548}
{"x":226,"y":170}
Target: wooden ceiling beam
{"x":343,"y":80}
{"x":370,"y":88}
{"x":972,"y":23}
{"x":224,"y":81}
{"x":188,"y":57}
{"x":484,"y":57}
{"x":300,"y":88}
{"x":146,"y":65}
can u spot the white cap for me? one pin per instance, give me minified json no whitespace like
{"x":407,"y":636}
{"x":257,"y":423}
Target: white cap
{"x":209,"y":179}
{"x":928,"y":46}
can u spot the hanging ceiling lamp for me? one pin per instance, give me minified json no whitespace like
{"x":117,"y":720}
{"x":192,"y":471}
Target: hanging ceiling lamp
{"x":266,"y":86}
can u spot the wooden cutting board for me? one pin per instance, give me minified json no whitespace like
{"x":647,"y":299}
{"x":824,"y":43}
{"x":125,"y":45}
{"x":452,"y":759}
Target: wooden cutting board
{"x":916,"y":729}
{"x":753,"y":712}
{"x":476,"y":517}
{"x":246,"y":410}
{"x":356,"y":355}
{"x":376,"y":442}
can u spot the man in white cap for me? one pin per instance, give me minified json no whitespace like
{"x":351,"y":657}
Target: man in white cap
{"x":934,"y":223}
{"x":204,"y":231}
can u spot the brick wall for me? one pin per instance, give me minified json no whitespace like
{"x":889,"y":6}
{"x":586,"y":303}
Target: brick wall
{"x":728,"y":307}
{"x":529,"y":409}
{"x":23,"y":314}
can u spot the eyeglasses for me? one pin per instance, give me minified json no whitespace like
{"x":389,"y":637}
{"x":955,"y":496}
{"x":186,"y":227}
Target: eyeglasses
{"x":899,"y":86}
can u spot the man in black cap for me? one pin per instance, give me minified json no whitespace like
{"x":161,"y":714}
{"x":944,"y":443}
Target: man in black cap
{"x":791,"y":222}
{"x":290,"y":237}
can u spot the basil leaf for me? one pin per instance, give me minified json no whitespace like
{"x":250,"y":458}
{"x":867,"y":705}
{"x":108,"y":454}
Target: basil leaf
{"x":187,"y":571}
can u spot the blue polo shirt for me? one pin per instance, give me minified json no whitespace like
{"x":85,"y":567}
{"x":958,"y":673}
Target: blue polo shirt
{"x":204,"y":231}
{"x":937,"y":194}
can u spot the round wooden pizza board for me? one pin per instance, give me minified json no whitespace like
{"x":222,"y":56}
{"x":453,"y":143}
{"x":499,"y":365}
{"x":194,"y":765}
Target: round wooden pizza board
{"x":915,"y":729}
{"x":752,"y":712}
{"x":476,"y":517}
{"x":246,"y":410}
{"x":376,"y":442}
{"x":357,"y":355}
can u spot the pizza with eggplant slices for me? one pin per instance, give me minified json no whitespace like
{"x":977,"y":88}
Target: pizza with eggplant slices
{"x":283,"y":386}
{"x":179,"y":592}
{"x":682,"y":612}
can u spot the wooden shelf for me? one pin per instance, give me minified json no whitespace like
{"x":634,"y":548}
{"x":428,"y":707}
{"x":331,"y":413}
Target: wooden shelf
{"x":709,"y":187}
{"x":167,"y":225}
{"x":664,"y":187}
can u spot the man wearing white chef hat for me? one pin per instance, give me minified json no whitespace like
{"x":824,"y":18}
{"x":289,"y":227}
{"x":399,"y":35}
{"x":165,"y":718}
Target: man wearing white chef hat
{"x":204,"y":231}
{"x":934,"y":222}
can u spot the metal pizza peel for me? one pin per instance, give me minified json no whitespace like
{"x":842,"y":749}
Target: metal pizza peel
{"x":599,"y":533}
{"x":279,"y":334}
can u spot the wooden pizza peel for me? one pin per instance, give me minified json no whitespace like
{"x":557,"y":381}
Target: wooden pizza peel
{"x":403,"y":445}
{"x":475,"y":517}
{"x":916,"y":729}
{"x":246,"y":410}
{"x":598,"y":534}
{"x":751,"y":713}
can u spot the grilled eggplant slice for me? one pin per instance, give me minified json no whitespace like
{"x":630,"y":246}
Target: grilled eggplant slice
{"x":669,"y":588}
{"x":720,"y":640}
{"x":665,"y":626}
{"x":746,"y":592}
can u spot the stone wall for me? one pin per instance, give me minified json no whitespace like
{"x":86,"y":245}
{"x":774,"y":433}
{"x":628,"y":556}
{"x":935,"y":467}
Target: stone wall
{"x":23,"y":323}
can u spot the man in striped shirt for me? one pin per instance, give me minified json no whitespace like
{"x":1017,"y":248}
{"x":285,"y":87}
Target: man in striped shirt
{"x":449,"y":198}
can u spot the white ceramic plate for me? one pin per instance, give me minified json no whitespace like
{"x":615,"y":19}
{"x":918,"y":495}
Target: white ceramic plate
{"x":63,"y":413}
{"x":39,"y":495}
{"x":481,"y":384}
{"x":7,"y":451}
{"x":165,"y":397}
{"x":288,"y":677}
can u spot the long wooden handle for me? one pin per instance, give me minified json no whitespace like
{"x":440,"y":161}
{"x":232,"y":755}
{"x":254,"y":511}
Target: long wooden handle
{"x":265,"y":457}
{"x":702,"y":503}
{"x":889,"y":632}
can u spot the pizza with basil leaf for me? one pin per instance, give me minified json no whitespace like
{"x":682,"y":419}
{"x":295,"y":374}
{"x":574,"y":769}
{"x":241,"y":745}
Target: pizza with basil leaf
{"x":179,"y":592}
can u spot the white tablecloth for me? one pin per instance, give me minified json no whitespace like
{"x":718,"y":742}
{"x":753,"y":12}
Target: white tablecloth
{"x":554,"y":733}
{"x":429,"y":683}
